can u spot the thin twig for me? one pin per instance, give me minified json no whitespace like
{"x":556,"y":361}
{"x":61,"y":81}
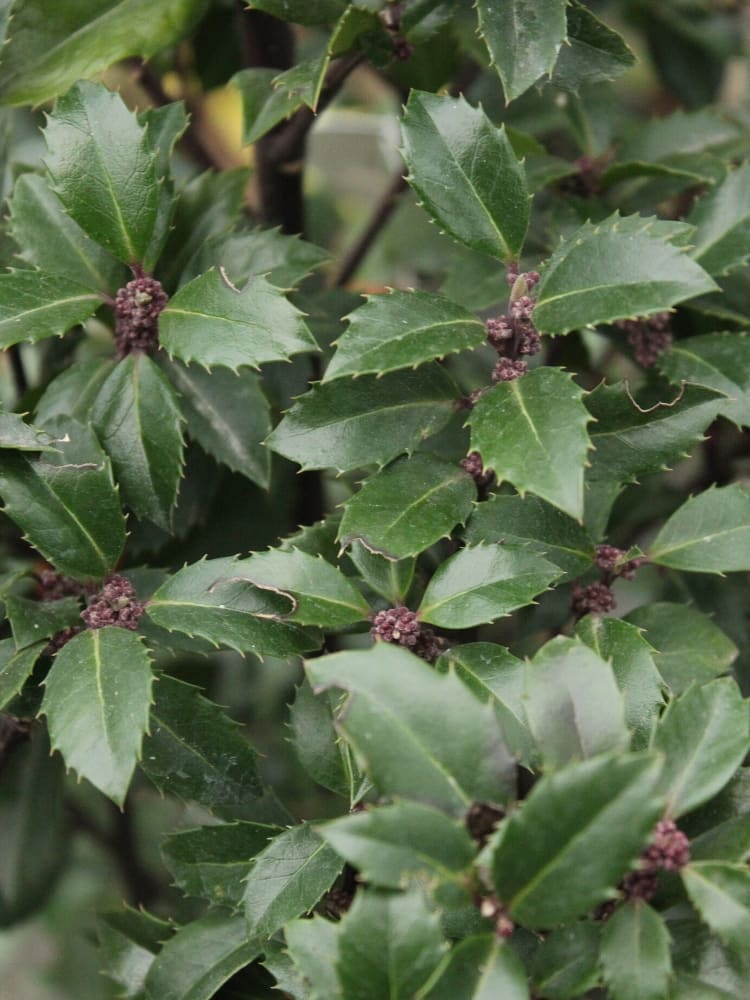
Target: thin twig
{"x":20,"y":380}
{"x":380,"y":216}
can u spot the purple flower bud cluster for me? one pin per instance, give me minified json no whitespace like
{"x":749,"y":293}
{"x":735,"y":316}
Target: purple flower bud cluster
{"x":649,"y":337}
{"x":508,"y":370}
{"x":596,"y":599}
{"x":54,"y":586}
{"x":402,"y":627}
{"x":610,"y":559}
{"x":137,"y":308}
{"x":475,"y":468}
{"x":57,"y":642}
{"x":115,"y":604}
{"x":514,"y":334}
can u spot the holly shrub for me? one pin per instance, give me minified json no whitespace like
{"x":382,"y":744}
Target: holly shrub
{"x":388,"y":645}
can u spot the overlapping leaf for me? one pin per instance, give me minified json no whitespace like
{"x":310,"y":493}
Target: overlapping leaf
{"x":718,"y":361}
{"x":592,"y":52}
{"x":722,"y":224}
{"x":34,"y":305}
{"x":480,"y":967}
{"x":635,"y":953}
{"x":709,"y":533}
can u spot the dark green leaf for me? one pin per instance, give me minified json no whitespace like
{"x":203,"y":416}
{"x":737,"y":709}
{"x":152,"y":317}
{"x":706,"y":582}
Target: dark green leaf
{"x":481,"y":967}
{"x":15,"y":667}
{"x":288,"y":878}
{"x":634,"y":669}
{"x":32,"y":621}
{"x":206,"y":600}
{"x":213,"y":323}
{"x":402,"y":330}
{"x":566,"y":963}
{"x":592,"y":816}
{"x":212,"y":862}
{"x":49,"y":48}
{"x":523,"y":38}
{"x":228,"y":415}
{"x":33,"y":824}
{"x":319,"y":593}
{"x":390,"y":579}
{"x":392,"y":845}
{"x":17,"y":435}
{"x":532,"y":432}
{"x":301,"y":11}
{"x":137,"y":419}
{"x":67,"y":505}
{"x":313,"y":946}
{"x":722,"y":221}
{"x":263,"y":105}
{"x":394,"y":699}
{"x":572,"y":703}
{"x":635,"y":953}
{"x":709,"y":533}
{"x":721,"y":894}
{"x":128,"y":941}
{"x":484,"y":582}
{"x":50,"y":240}
{"x":613,"y":270}
{"x":319,"y":748}
{"x":104,"y":170}
{"x":466,"y":174}
{"x":592,"y":52}
{"x":543,"y":529}
{"x":164,"y":126}
{"x":200,"y":958}
{"x":389,"y":944}
{"x":72,"y":393}
{"x":718,"y":361}
{"x":680,"y":133}
{"x":689,"y":647}
{"x":403,"y":509}
{"x":96,"y":699}
{"x":34,"y":305}
{"x":356,"y":422}
{"x":704,"y":735}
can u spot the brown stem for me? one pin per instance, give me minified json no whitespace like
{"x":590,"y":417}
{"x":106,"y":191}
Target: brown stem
{"x":20,"y":380}
{"x":380,"y":216}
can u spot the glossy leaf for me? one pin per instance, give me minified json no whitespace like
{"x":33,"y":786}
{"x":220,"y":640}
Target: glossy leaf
{"x":49,"y":48}
{"x":709,"y":533}
{"x":466,"y":174}
{"x":389,"y":718}
{"x":539,"y":526}
{"x":103,"y":170}
{"x":403,"y":509}
{"x":212,"y":862}
{"x":614,"y":270}
{"x":34,"y":305}
{"x":263,"y":104}
{"x":402,"y":330}
{"x":17,"y":435}
{"x":16,"y":666}
{"x":392,"y":845}
{"x":704,"y":735}
{"x":319,"y":748}
{"x":635,"y":953}
{"x":200,"y":958}
{"x":72,"y":394}
{"x":484,"y":582}
{"x":721,"y":894}
{"x":722,"y":220}
{"x":573,"y":706}
{"x":523,"y":38}
{"x":207,"y":600}
{"x":593,"y":816}
{"x":689,"y":646}
{"x":355,"y":422}
{"x":532,"y":432}
{"x":137,"y":419}
{"x":592,"y":52}
{"x":96,"y":699}
{"x":51,"y":241}
{"x":632,"y":659}
{"x":389,"y":943}
{"x":67,"y":505}
{"x":31,"y":621}
{"x":718,"y":361}
{"x":288,"y":878}
{"x":319,"y":593}
{"x":211,"y":322}
{"x":313,"y":948}
{"x":128,"y":942}
{"x":480,"y":967}
{"x":390,"y":579}
{"x":566,"y":963}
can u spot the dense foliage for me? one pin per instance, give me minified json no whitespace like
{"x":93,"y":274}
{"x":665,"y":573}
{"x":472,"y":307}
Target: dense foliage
{"x":383,"y":647}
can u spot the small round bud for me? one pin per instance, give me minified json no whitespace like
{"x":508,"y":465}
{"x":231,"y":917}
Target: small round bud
{"x":137,"y":308}
{"x":473,"y":465}
{"x":499,"y":332}
{"x":596,"y":599}
{"x":669,"y":848}
{"x":507,"y":370}
{"x":115,"y":604}
{"x":402,"y":627}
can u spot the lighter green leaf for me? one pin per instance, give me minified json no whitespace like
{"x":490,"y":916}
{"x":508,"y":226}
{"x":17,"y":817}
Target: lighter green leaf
{"x":52,"y":46}
{"x":466,"y":174}
{"x":390,"y":579}
{"x":484,"y":582}
{"x":355,"y":422}
{"x":614,"y":270}
{"x":402,"y":330}
{"x":406,"y":507}
{"x":523,"y":38}
{"x":481,"y":967}
{"x":718,"y":361}
{"x":389,"y":719}
{"x":592,"y":52}
{"x":313,"y":947}
{"x":34,"y":305}
{"x":263,"y":105}
{"x":137,"y":419}
{"x":104,"y":170}
{"x":17,"y":435}
{"x":635,"y":953}
{"x":288,"y":878}
{"x":213,"y":323}
{"x":722,"y":220}
{"x":709,"y":533}
{"x":128,"y":942}
{"x":704,"y":735}
{"x":532,"y":432}
{"x":96,"y":699}
{"x":593,"y":816}
{"x":16,"y":667}
{"x":566,"y":962}
{"x":721,"y":894}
